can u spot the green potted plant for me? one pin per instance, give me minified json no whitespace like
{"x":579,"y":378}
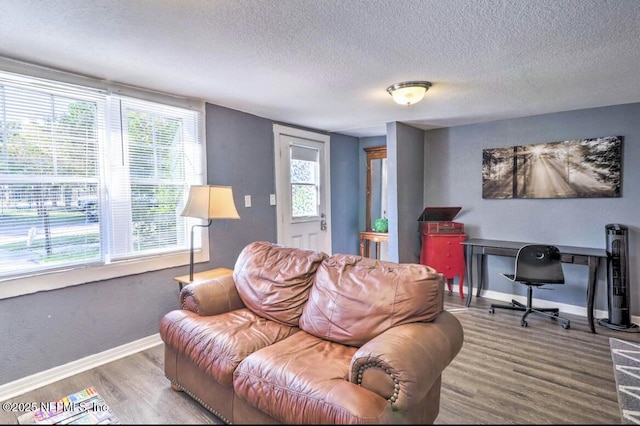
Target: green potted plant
{"x":381,"y":224}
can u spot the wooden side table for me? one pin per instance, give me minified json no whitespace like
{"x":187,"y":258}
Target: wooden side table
{"x":203,"y":276}
{"x":371,"y":236}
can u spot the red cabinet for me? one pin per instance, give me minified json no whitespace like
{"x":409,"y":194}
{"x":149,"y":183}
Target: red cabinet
{"x":445,"y":254}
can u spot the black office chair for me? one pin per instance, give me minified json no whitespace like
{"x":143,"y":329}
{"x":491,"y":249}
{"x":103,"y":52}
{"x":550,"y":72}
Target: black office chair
{"x":536,"y":265}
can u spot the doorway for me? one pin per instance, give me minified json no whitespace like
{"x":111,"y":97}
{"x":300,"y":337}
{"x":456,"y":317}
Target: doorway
{"x":303,"y":195}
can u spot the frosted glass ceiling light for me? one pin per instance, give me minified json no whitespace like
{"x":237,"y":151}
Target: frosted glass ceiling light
{"x":409,"y":92}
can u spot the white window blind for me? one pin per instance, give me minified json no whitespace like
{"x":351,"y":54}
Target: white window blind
{"x":89,"y":178}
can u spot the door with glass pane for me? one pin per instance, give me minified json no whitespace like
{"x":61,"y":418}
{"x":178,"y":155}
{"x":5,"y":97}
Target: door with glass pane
{"x":302,"y":188}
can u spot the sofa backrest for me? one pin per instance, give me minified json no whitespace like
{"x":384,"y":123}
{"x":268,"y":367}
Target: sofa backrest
{"x":274,"y":281}
{"x":354,"y":299}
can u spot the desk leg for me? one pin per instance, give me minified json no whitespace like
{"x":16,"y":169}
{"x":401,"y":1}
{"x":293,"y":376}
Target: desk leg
{"x":591,"y":289}
{"x":361,"y":248}
{"x":480,"y":270}
{"x":468,"y":258}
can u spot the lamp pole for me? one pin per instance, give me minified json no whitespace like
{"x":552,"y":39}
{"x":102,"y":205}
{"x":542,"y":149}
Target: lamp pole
{"x":191,"y":253}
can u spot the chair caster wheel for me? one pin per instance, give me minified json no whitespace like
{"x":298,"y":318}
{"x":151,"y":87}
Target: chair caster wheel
{"x":523,"y":323}
{"x":566,"y":325}
{"x":492,"y":310}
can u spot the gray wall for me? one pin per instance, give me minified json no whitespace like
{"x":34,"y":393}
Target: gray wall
{"x":47,"y":329}
{"x":453,"y":177}
{"x":405,"y":168}
{"x":392,"y":191}
{"x":344,"y":189}
{"x":240,"y":154}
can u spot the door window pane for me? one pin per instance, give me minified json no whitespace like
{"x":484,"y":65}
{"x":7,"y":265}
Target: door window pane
{"x":304,"y":181}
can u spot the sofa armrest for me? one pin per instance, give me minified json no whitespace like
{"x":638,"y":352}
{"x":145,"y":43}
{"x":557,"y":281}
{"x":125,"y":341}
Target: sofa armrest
{"x":211,"y":297}
{"x":404,"y":362}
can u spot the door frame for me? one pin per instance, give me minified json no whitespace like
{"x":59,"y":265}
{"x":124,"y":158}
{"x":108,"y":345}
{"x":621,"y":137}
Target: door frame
{"x":281,"y":187}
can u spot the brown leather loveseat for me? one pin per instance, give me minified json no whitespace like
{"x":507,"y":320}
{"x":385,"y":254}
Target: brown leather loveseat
{"x":300,"y":337}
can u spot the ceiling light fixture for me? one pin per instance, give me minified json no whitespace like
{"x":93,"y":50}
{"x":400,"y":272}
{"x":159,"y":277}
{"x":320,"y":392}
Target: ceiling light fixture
{"x":408,"y":92}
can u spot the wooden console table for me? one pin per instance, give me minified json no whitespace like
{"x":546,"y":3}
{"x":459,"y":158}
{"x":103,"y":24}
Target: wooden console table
{"x":477,"y":248}
{"x":366,"y":237}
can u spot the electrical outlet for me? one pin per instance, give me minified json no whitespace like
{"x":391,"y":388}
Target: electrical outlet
{"x":247,"y":200}
{"x":272,"y":199}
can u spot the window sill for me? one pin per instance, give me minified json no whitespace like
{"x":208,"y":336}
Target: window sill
{"x":76,"y":276}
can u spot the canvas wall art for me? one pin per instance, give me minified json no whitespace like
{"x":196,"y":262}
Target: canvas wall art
{"x":582,"y":168}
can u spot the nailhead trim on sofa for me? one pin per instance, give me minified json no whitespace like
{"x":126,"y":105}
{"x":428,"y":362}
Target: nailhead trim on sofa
{"x":396,"y":386}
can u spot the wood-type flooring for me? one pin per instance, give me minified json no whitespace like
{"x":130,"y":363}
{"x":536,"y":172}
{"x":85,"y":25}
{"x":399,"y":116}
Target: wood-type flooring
{"x":504,"y":374}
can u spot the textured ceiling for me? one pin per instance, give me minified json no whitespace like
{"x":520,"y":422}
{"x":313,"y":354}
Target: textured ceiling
{"x":325,"y":64}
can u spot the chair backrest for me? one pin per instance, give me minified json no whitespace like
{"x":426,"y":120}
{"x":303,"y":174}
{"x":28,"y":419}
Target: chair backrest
{"x":539,"y":264}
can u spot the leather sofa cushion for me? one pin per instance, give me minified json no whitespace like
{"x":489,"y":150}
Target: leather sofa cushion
{"x":274,"y":281}
{"x":217,"y":344}
{"x":354,"y":299}
{"x":305,"y":381}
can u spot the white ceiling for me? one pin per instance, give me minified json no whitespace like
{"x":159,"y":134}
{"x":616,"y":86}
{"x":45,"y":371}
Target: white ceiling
{"x":326,"y":64}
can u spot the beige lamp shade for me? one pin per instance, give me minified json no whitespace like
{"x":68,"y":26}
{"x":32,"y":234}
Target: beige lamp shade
{"x":210,"y":202}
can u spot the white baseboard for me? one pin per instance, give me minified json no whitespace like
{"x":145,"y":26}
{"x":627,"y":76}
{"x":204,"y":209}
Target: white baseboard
{"x":565,"y":308}
{"x":35,"y":381}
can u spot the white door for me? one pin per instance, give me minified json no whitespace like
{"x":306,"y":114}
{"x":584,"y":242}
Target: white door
{"x":302,"y":188}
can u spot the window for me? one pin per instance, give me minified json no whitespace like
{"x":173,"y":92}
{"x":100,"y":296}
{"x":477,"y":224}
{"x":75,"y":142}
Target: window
{"x":91,"y":178}
{"x":304,"y":181}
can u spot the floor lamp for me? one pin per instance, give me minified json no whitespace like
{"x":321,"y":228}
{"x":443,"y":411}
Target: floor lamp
{"x":208,"y":202}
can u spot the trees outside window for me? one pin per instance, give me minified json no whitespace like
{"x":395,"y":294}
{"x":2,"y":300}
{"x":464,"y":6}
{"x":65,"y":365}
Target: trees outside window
{"x":87,"y":177}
